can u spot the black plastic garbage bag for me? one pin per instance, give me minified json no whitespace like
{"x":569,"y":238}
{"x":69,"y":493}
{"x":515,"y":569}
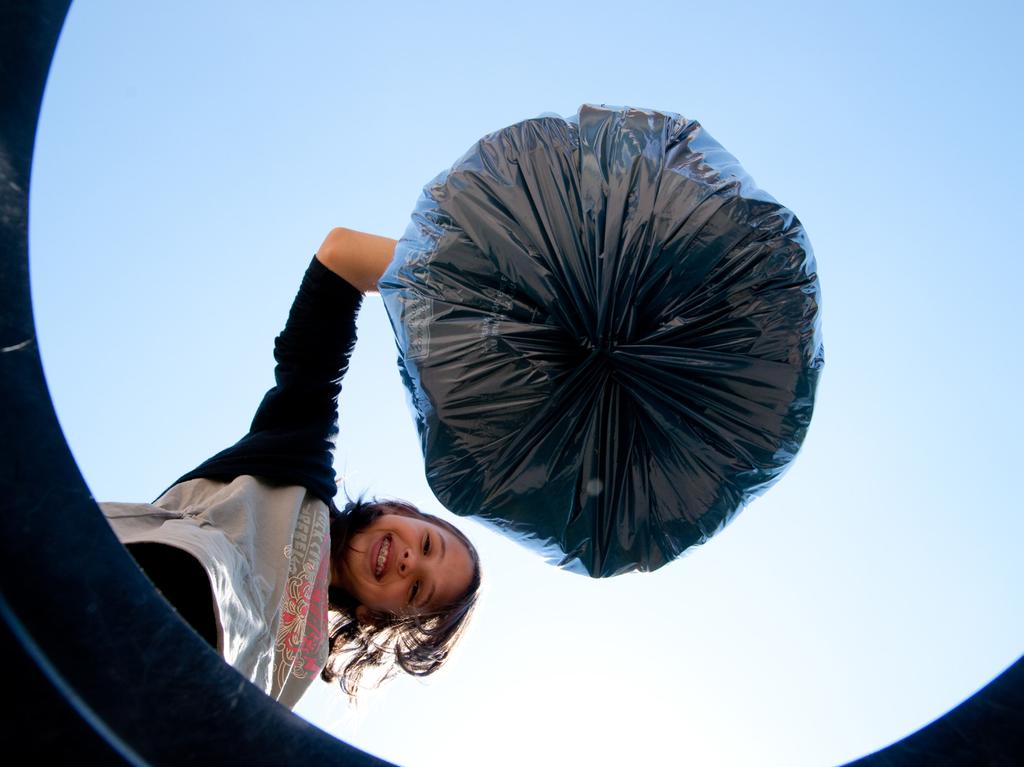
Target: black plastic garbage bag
{"x":609,"y":333}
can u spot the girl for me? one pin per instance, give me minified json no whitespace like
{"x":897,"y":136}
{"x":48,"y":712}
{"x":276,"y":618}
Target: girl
{"x":251,"y":550}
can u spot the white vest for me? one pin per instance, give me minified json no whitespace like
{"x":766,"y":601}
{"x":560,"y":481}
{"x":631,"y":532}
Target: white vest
{"x":266,"y":550}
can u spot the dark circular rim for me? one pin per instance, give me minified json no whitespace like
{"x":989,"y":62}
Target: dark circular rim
{"x":104,"y":668}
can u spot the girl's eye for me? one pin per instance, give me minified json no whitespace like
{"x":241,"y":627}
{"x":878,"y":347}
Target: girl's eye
{"x":413,"y":592}
{"x":426,"y":544}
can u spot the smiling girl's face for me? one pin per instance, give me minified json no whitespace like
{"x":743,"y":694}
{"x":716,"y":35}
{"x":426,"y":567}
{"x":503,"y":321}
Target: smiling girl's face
{"x":403,"y":565}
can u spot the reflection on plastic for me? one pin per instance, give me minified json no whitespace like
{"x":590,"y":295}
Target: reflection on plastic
{"x":611,"y":336}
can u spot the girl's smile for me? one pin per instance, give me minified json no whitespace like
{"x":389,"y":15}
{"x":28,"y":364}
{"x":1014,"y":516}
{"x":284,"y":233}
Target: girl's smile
{"x":381,"y":553}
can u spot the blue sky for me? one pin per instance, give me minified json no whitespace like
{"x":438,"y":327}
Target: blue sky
{"x":191,"y":157}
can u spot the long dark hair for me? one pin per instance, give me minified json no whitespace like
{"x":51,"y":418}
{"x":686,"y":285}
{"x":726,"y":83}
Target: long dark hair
{"x":417,"y":645}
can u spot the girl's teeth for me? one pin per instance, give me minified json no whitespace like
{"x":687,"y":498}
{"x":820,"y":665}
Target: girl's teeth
{"x":382,"y":556}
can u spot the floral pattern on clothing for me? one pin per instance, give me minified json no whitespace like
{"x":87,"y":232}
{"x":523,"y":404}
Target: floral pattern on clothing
{"x":302,"y":631}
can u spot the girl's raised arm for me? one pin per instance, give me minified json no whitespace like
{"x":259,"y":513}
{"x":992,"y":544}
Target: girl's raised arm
{"x":358,"y":258}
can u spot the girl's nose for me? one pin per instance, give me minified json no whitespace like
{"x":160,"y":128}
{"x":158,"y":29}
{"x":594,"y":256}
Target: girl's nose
{"x":406,"y":561}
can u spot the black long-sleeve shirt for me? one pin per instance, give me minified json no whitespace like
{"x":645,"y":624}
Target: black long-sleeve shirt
{"x":290,"y":439}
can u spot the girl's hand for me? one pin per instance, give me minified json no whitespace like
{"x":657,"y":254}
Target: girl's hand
{"x":358,"y":258}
